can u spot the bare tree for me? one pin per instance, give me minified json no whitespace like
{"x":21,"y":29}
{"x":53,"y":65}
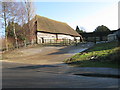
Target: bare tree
{"x":30,"y":11}
{"x":23,"y":21}
{"x":18,"y":12}
{"x":5,"y":16}
{"x":9,"y":13}
{"x":4,"y":6}
{"x":14,"y":9}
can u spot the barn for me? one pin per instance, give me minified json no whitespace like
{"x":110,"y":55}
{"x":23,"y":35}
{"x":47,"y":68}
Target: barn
{"x":48,"y":30}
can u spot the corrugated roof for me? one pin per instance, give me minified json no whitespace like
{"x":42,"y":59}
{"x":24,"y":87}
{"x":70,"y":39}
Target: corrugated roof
{"x":48,"y":25}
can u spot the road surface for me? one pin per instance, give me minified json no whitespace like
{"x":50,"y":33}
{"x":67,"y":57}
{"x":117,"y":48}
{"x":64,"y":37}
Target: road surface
{"x":44,"y":68}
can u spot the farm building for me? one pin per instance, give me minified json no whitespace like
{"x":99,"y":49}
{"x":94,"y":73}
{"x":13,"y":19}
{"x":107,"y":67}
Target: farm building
{"x":49,"y":30}
{"x":112,"y":37}
{"x":99,"y":36}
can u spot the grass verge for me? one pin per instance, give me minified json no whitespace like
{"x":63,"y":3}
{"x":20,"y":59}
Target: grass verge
{"x":101,"y":55}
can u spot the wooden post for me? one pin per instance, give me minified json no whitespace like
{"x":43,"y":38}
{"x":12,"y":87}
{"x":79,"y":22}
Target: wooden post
{"x":69,"y":41}
{"x":42,"y":40}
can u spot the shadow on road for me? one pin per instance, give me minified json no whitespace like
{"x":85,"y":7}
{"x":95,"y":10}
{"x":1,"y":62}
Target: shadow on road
{"x":33,"y":67}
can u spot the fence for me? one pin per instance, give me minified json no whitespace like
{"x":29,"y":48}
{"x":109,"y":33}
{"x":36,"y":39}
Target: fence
{"x":12,"y":46}
{"x":47,"y":42}
{"x":58,"y":42}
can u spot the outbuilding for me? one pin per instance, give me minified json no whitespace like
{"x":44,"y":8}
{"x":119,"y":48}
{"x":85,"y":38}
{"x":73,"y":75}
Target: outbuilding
{"x":48,"y":30}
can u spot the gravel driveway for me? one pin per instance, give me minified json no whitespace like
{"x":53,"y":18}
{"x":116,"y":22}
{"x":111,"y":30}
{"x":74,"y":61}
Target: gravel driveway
{"x":44,"y":55}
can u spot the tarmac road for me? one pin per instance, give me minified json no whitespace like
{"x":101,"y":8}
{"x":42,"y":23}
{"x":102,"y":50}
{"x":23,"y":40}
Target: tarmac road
{"x":54,"y":75}
{"x":50,"y":76}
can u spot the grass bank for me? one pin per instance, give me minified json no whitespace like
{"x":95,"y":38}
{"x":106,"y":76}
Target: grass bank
{"x":101,"y":55}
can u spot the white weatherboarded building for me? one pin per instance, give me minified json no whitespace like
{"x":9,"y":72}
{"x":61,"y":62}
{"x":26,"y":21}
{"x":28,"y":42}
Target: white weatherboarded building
{"x":51,"y":30}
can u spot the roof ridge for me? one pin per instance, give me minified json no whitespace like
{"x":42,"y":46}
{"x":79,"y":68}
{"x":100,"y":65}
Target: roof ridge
{"x":51,"y":19}
{"x":49,"y":25}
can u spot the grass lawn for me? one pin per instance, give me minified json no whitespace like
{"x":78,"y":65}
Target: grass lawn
{"x":101,"y":55}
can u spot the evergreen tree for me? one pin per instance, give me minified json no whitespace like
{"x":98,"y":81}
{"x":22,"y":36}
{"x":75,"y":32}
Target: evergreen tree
{"x":79,"y":30}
